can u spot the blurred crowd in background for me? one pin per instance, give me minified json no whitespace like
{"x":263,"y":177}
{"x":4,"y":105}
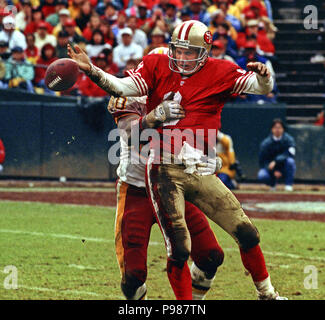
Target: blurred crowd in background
{"x":116,"y":34}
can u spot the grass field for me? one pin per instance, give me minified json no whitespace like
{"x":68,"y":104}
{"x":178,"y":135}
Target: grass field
{"x":67,"y":252}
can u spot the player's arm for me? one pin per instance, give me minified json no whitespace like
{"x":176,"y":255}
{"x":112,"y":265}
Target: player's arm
{"x":113,"y":85}
{"x":128,"y":112}
{"x":257,"y":81}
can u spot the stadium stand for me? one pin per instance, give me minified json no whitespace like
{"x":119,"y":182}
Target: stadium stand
{"x":300,"y":82}
{"x":298,"y":59}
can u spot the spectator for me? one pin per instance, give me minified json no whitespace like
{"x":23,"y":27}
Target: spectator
{"x":139,"y":36}
{"x":276,"y":157}
{"x":242,"y":4}
{"x":111,"y":14}
{"x":10,"y":35}
{"x":75,"y":8}
{"x":64,"y":15}
{"x":2,"y":155}
{"x":185,"y":14}
{"x":130,"y":64}
{"x":117,"y":4}
{"x":223,"y":34}
{"x":259,"y":12}
{"x":232,"y":9}
{"x":256,"y":7}
{"x":48,"y":55}
{"x":111,"y":67}
{"x":235,"y":21}
{"x":84,"y":16}
{"x":218,"y":18}
{"x":218,"y":51}
{"x":265,"y":45}
{"x":156,"y":20}
{"x":97,"y":44}
{"x":48,"y":7}
{"x":320,"y":119}
{"x":42,"y":36}
{"x":126,"y":50}
{"x":105,"y":28}
{"x":140,"y":11}
{"x":198,"y":12}
{"x":225,"y":150}
{"x":157,"y":40}
{"x":54,"y":18}
{"x":32,"y":53}
{"x":120,"y":23}
{"x":93,"y":24}
{"x":2,"y":74}
{"x":24,"y":16}
{"x":171,"y":18}
{"x":19,"y":72}
{"x":61,"y":47}
{"x":3,"y":13}
{"x":4,"y":50}
{"x":71,"y":28}
{"x":37,"y":17}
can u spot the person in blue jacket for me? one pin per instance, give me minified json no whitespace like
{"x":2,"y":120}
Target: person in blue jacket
{"x":276,"y":157}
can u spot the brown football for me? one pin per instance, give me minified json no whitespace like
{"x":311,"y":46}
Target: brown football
{"x":61,"y":74}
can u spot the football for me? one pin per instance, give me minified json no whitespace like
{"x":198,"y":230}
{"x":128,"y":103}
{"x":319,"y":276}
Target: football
{"x":61,"y":74}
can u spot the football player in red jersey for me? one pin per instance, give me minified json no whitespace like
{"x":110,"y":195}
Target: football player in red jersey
{"x":135,"y":217}
{"x":201,"y":85}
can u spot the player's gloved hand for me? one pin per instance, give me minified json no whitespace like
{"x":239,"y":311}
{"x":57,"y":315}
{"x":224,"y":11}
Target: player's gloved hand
{"x":164,"y":112}
{"x":209,"y":166}
{"x":168,"y":110}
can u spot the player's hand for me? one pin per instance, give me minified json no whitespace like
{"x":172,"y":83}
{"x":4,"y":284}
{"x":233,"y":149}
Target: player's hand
{"x":169,"y":110}
{"x":80,"y":57}
{"x":209,"y":166}
{"x":259,"y":68}
{"x":277,"y":174}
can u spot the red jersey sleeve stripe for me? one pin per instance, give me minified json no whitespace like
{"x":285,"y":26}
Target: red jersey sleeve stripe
{"x":244,"y":84}
{"x":137,"y":82}
{"x":143,"y":82}
{"x":240,"y":81}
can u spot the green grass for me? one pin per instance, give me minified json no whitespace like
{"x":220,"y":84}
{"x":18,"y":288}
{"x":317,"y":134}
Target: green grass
{"x":45,"y":243}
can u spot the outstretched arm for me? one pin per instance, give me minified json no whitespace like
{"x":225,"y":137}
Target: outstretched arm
{"x":258,"y":80}
{"x":263,"y":81}
{"x":113,"y":85}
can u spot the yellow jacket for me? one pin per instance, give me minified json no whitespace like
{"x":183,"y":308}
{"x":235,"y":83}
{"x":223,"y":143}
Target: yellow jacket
{"x":241,"y":4}
{"x":232,"y":10}
{"x":225,"y":150}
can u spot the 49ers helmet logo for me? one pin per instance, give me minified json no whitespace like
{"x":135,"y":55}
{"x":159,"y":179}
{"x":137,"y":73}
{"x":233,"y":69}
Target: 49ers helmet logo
{"x":208,"y":37}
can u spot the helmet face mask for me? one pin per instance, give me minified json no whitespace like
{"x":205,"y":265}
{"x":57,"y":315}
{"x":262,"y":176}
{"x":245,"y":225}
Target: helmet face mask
{"x":186,"y":66}
{"x":189,"y":47}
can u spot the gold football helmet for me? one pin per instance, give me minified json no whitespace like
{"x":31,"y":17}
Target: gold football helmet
{"x":192,"y":35}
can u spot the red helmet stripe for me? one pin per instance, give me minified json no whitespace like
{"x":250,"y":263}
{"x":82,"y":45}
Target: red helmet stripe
{"x":188,"y":30}
{"x":180,"y":31}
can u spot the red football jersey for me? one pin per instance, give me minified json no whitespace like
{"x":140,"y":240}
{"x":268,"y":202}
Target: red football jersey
{"x":202,"y":95}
